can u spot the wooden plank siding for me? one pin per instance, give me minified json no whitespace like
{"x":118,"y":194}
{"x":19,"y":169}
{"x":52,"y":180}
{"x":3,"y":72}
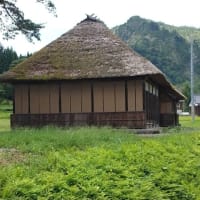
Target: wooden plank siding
{"x":166,"y":104}
{"x":166,"y":107}
{"x":120,"y":96}
{"x":139,"y":95}
{"x":65,"y":98}
{"x":25,"y":106}
{"x":109,"y":97}
{"x":78,"y":97}
{"x":54,"y":98}
{"x":98,"y":93}
{"x":34,"y":99}
{"x":21,"y":99}
{"x":75,"y":97}
{"x":168,"y":115}
{"x":44,"y":98}
{"x":135,"y":95}
{"x":96,"y":101}
{"x":86,"y":98}
{"x":131,"y":95}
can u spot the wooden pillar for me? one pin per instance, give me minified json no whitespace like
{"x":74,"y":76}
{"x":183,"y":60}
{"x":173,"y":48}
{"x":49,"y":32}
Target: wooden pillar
{"x":14,"y":101}
{"x":126,"y":97}
{"x":60,"y":103}
{"x":29,"y":107}
{"x":92,"y":98}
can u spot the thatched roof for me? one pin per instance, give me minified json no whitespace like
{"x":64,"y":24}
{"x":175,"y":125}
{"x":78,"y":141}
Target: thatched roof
{"x":89,"y":50}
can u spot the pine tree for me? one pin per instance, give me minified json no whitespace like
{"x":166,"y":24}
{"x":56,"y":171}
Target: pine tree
{"x":13,"y":22}
{"x":7,"y":56}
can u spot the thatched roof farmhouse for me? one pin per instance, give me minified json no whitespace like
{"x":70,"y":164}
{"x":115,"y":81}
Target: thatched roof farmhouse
{"x":88,"y":76}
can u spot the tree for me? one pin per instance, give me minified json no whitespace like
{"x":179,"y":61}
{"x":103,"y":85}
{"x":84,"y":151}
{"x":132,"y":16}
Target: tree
{"x":8,"y":59}
{"x":7,"y":56}
{"x":13,"y":22}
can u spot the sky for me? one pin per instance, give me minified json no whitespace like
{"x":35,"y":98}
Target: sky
{"x":112,"y":12}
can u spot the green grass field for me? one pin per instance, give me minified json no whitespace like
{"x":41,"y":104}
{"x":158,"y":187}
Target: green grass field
{"x":186,"y":121}
{"x":5,"y":111}
{"x":99,"y":163}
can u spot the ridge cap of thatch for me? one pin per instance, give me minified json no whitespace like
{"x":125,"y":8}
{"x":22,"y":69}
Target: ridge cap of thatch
{"x":92,"y":18}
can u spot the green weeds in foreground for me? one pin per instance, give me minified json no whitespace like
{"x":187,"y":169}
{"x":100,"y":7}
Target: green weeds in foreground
{"x":99,"y":163}
{"x":118,"y":166}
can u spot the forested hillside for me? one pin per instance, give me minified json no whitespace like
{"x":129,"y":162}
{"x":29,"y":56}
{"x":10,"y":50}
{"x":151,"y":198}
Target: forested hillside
{"x":168,"y":47}
{"x":8,"y":59}
{"x":7,"y":56}
{"x":186,"y":32}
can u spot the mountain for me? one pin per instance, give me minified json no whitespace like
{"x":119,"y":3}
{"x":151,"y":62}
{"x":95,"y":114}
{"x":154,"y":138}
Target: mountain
{"x":168,"y":47}
{"x":186,"y":32}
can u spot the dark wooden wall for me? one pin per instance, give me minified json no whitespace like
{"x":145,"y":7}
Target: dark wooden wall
{"x":96,"y":96}
{"x":151,"y":96}
{"x":99,"y":102}
{"x":167,"y":104}
{"x":114,"y":119}
{"x":79,"y":97}
{"x":168,"y":111}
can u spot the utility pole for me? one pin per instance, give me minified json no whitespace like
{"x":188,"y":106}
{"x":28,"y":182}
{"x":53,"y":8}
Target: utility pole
{"x":192,"y":82}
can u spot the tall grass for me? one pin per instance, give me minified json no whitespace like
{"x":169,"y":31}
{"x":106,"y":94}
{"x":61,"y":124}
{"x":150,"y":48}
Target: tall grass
{"x":5,"y":110}
{"x":48,"y":138}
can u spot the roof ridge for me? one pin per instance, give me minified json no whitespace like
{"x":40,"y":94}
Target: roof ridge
{"x":92,"y":18}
